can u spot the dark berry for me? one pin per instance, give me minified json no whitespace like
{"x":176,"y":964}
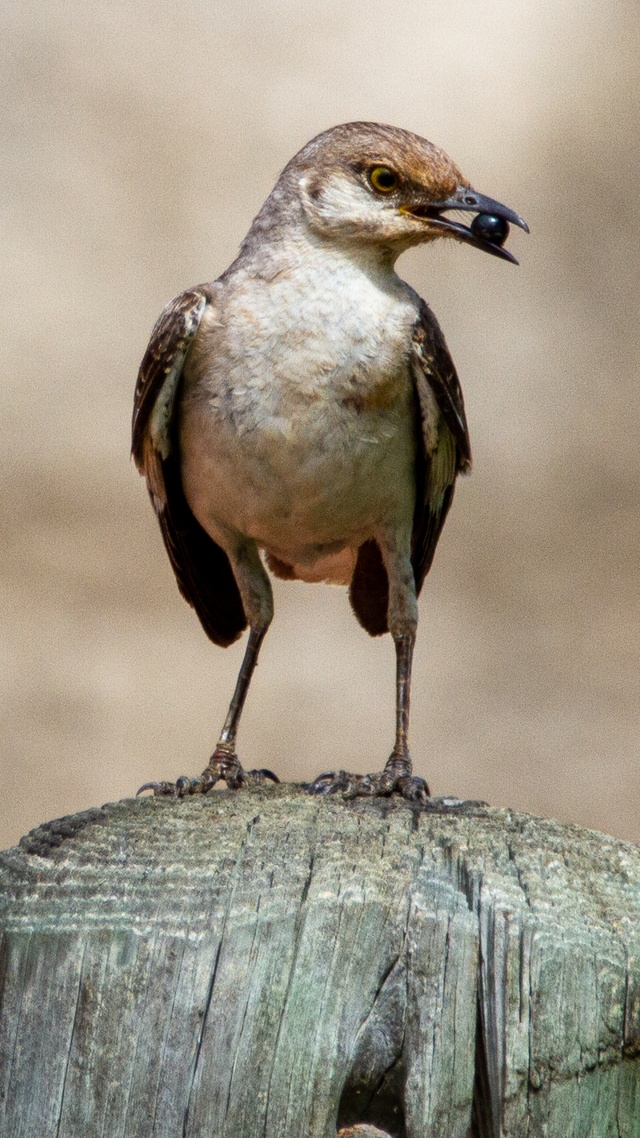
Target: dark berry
{"x":488,"y":227}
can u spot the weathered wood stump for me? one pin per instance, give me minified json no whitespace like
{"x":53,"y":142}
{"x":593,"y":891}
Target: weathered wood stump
{"x":264,"y":964}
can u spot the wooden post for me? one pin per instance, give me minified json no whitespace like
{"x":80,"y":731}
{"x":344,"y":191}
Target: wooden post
{"x":263,"y":964}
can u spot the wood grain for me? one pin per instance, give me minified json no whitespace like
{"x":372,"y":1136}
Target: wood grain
{"x":263,"y":964}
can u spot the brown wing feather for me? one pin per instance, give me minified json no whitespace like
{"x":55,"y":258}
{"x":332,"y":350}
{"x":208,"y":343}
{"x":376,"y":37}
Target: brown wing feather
{"x":441,"y":454}
{"x":446,"y":453}
{"x":369,"y":589}
{"x":202,"y":568}
{"x":170,"y":340}
{"x":203,"y":572}
{"x":432,"y":357}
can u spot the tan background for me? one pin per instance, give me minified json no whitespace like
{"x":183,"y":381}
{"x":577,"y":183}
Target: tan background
{"x":139,"y":140}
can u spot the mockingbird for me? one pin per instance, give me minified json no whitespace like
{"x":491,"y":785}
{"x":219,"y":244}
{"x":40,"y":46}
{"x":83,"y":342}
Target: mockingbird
{"x":304,"y":407}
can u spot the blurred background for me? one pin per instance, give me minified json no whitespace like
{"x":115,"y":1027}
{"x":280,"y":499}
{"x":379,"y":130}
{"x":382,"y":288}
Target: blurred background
{"x":138,"y":142}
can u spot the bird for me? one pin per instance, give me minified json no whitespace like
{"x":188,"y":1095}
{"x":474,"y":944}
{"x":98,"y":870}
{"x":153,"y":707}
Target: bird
{"x":301,"y":415}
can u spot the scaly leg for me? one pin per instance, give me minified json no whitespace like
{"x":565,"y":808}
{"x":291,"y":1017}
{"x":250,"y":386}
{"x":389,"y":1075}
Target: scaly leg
{"x":397,"y":775}
{"x":255,"y":589}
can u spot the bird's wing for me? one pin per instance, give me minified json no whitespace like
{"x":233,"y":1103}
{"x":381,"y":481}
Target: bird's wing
{"x":202,"y":568}
{"x":443,"y":450}
{"x":446,"y":449}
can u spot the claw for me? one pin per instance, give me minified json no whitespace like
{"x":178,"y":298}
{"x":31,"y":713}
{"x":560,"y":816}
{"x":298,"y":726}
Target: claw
{"x":329,"y":783}
{"x":394,"y":779}
{"x":158,"y":788}
{"x":261,"y":774}
{"x":221,"y":767}
{"x":413,"y":788}
{"x":181,"y":788}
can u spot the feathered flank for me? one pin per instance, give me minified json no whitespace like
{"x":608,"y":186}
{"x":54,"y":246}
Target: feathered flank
{"x":432,"y":364}
{"x":160,"y":373}
{"x":443,"y":451}
{"x":204,"y":575}
{"x":443,"y":456}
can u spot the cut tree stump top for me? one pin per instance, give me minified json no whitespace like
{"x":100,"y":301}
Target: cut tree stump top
{"x":263,"y":964}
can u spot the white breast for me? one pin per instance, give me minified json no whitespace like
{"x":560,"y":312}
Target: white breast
{"x":298,"y":412}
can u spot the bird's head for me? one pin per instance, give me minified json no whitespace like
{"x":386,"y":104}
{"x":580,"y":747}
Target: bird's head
{"x":381,"y":186}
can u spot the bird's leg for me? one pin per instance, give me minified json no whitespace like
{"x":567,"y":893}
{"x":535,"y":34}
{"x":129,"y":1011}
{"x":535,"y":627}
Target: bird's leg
{"x":224,"y":763}
{"x":257,"y":599}
{"x":398,"y":766}
{"x":397,"y":774}
{"x":404,"y":657}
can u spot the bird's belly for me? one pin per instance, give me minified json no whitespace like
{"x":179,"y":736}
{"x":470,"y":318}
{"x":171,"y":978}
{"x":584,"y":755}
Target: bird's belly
{"x":306,"y":485}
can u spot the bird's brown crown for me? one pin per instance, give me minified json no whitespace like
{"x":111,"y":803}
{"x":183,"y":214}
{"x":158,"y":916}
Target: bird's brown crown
{"x":357,"y":147}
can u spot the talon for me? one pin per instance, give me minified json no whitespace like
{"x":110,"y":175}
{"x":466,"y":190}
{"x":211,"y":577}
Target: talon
{"x":223,"y":765}
{"x":413,"y":788}
{"x":326,"y":777}
{"x":158,"y":788}
{"x":394,"y":779}
{"x":261,"y":774}
{"x":318,"y":785}
{"x":329,"y":783}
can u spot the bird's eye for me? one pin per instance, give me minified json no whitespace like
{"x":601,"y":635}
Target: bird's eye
{"x":383,"y":179}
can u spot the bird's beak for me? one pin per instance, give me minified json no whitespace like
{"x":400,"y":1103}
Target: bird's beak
{"x":470,"y":201}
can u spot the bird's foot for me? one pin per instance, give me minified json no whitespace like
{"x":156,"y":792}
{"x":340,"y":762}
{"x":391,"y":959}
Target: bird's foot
{"x":223,"y":765}
{"x":396,"y":778}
